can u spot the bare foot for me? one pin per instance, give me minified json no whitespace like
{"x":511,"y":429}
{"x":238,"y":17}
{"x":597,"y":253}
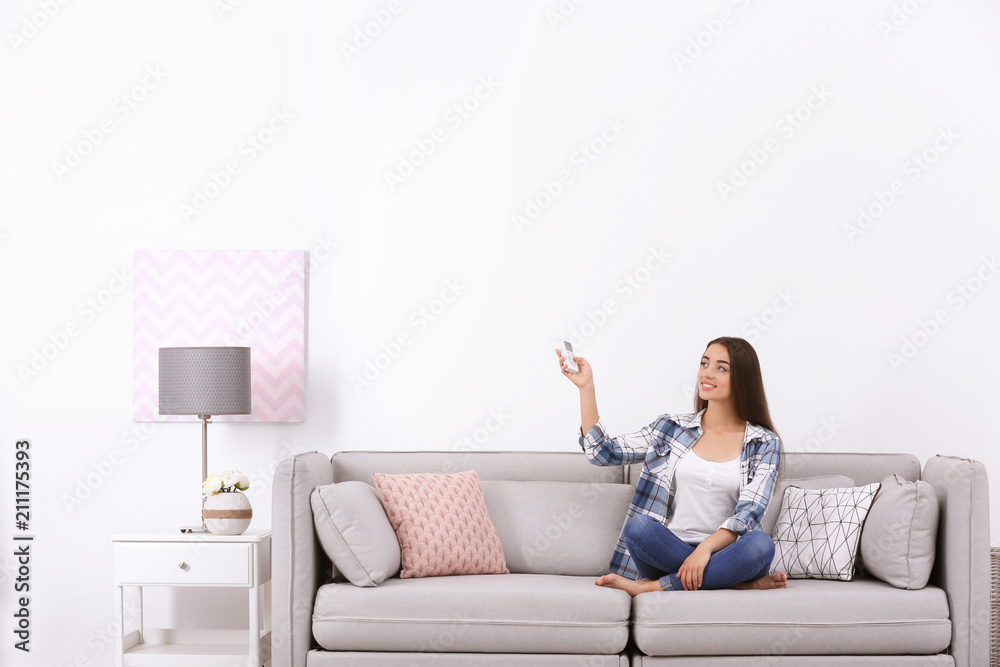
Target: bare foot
{"x":778,"y":580}
{"x":631,"y":587}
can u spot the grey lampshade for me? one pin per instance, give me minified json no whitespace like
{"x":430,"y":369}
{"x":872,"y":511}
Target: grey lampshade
{"x":205,"y":381}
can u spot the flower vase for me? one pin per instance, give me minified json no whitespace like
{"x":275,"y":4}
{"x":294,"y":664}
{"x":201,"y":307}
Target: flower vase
{"x":227,"y":513}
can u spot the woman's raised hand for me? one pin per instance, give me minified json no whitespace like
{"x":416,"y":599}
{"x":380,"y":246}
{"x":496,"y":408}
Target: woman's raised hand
{"x":581,"y":379}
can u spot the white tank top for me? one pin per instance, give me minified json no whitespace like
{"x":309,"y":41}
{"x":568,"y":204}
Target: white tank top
{"x":705,"y":496}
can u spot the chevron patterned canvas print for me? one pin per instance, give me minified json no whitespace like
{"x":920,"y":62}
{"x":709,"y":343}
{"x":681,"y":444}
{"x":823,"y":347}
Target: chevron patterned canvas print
{"x":253,"y":298}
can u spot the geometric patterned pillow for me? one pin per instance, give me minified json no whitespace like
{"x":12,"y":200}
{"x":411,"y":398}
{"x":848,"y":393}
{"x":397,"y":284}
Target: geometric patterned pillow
{"x":442,"y":523}
{"x":818,"y":530}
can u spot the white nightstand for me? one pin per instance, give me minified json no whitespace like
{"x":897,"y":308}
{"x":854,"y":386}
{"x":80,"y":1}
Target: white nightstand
{"x":204,"y":560}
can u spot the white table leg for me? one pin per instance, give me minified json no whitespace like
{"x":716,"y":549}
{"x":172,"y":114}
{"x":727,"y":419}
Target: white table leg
{"x":142,"y":621}
{"x":120,"y":624}
{"x":255,"y":626}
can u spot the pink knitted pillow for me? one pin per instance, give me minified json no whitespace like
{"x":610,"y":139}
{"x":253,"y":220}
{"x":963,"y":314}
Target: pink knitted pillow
{"x":442,"y":523}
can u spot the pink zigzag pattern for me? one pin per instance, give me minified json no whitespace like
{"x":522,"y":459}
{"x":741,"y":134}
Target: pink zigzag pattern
{"x":223,"y":297}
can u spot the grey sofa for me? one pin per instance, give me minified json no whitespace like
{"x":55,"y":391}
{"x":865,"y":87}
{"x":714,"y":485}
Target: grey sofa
{"x":540,"y":615}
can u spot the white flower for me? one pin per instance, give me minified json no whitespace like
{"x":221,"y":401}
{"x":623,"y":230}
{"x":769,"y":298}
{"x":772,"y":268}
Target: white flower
{"x":229,"y":478}
{"x":227,"y":481}
{"x":212,"y":485}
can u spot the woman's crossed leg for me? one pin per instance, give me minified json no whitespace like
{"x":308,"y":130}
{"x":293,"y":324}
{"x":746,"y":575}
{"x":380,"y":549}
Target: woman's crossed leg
{"x":658,"y":554}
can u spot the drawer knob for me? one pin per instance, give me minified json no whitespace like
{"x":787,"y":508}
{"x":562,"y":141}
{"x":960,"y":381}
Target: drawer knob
{"x":183,"y":565}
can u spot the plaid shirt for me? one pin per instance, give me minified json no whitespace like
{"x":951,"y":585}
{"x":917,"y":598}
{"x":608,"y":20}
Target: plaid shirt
{"x":660,"y":446}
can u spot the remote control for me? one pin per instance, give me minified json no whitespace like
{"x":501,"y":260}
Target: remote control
{"x":567,"y":352}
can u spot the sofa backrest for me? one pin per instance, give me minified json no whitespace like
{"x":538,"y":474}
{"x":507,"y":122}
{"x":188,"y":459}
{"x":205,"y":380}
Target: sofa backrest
{"x":555,"y":512}
{"x":863,"y":468}
{"x":508,"y":465}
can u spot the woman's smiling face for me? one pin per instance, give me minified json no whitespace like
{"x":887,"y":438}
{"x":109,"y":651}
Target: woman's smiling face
{"x":713,"y":373}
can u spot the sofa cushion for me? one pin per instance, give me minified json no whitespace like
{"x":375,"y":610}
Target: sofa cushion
{"x":818,"y":531}
{"x":639,"y":660}
{"x":414,"y":659}
{"x":809,"y":617}
{"x":355,"y":532}
{"x":557,"y":527}
{"x":443,"y":524}
{"x":818,"y":482}
{"x":516,"y":613}
{"x":899,"y":540}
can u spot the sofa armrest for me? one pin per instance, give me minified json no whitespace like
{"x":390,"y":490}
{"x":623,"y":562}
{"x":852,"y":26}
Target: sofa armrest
{"x":298,"y":564}
{"x":962,"y":562}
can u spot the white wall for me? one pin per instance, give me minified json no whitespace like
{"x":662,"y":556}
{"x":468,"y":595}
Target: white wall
{"x":780,"y":241}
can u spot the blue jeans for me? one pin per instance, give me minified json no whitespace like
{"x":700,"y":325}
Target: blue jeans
{"x":658,"y":554}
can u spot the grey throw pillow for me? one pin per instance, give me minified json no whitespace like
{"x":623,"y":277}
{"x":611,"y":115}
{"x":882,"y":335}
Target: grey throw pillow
{"x":355,"y":532}
{"x":900,"y":535}
{"x":818,"y":482}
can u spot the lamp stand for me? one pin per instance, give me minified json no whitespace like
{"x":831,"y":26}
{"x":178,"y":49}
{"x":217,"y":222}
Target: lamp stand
{"x":204,"y":475}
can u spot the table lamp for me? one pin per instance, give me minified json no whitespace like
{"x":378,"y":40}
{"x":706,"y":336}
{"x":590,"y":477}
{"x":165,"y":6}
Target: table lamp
{"x":204,"y":381}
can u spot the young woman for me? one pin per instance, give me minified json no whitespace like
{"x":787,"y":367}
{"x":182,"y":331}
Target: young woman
{"x":706,"y":479}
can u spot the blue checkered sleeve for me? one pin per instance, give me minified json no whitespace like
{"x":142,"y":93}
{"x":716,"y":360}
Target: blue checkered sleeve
{"x":756,"y":494}
{"x":620,"y":450}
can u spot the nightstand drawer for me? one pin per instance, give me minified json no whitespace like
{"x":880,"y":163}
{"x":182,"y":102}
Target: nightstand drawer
{"x":184,"y":563}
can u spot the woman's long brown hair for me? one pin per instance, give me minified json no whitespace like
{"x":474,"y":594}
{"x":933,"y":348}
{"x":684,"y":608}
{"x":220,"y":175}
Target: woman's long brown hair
{"x":747,"y":387}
